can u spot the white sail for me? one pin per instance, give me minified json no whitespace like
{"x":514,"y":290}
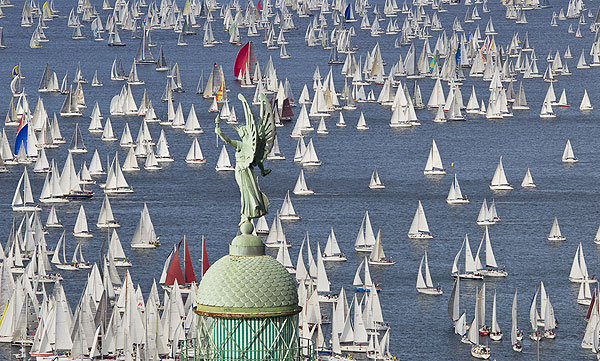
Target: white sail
{"x":434,"y":161}
{"x":528,"y":180}
{"x":81,"y":226}
{"x":419,"y":227}
{"x":555,"y":234}
{"x":499,"y":181}
{"x":568,"y":155}
{"x":223,"y":163}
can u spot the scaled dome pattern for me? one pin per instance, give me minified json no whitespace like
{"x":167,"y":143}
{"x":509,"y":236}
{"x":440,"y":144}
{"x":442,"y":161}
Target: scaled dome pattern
{"x":256,"y":283}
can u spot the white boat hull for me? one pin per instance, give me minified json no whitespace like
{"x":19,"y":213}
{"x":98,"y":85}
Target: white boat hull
{"x":334,"y":258}
{"x":304,"y":193}
{"x":354,"y":348}
{"x":311,"y":164}
{"x":496,"y":336}
{"x":420,"y":235}
{"x":434,"y":172}
{"x":457,"y":201}
{"x":496,"y":273}
{"x":66,"y":267}
{"x":470,"y":276}
{"x":118,"y":191}
{"x":382,"y":263}
{"x":53,"y":200}
{"x":122,"y":263}
{"x":143,"y":246}
{"x":108,"y":225}
{"x":501,"y":187}
{"x":480,"y":352}
{"x":26,"y":208}
{"x":557,"y":238}
{"x":82,"y":235}
{"x":430,"y":291}
{"x":195,"y":161}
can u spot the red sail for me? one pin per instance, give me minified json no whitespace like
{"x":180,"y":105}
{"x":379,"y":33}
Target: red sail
{"x":174,"y":272}
{"x":205,"y":264}
{"x":242,"y":61}
{"x":188,"y":269}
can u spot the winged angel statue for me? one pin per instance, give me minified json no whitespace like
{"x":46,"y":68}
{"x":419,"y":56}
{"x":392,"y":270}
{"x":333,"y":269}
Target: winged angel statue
{"x":255,"y":144}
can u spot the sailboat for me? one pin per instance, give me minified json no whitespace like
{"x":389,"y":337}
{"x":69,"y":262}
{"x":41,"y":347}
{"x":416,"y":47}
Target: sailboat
{"x":262,"y":227}
{"x":223,"y":163}
{"x":116,"y":251}
{"x":275,"y":153}
{"x":499,"y":181}
{"x":434,"y":162}
{"x":534,"y":317}
{"x":341,"y":122}
{"x":144,"y":236}
{"x":454,"y":309}
{"x":425,"y":285}
{"x":492,"y":269}
{"x":568,"y":155}
{"x":322,"y":128}
{"x":579,"y":271}
{"x":362,"y":124}
{"x":53,"y":221}
{"x":597,"y":237}
{"x":77,"y":260}
{"x":528,"y":180}
{"x":495,"y":333}
{"x":486,"y":215}
{"x":77,"y":146}
{"x":377,"y":256}
{"x":81,"y":226}
{"x":455,"y":195}
{"x":276,"y":234}
{"x":547,"y":111}
{"x":287,"y":211}
{"x":419,"y":229}
{"x":585,"y":105}
{"x":375,"y":181}
{"x":23,"y":198}
{"x":515,"y":334}
{"x":309,"y":157}
{"x":283,"y":257}
{"x":301,"y":188}
{"x":584,"y":297}
{"x":59,"y":263}
{"x":470,"y":270}
{"x":365,"y":240}
{"x":477,"y":350}
{"x":332,"y":252}
{"x":95,"y":81}
{"x":368,"y":281}
{"x":555,"y":234}
{"x":106,"y":219}
{"x":194,"y":155}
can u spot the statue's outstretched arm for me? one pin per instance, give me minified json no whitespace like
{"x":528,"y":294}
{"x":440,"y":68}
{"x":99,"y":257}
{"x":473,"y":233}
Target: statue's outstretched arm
{"x":223,"y":137}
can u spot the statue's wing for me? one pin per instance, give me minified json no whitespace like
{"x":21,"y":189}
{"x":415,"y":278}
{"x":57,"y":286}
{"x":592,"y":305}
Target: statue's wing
{"x":266,"y":131}
{"x":251,"y":142}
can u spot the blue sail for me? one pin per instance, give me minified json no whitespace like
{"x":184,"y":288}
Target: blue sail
{"x":348,"y":12}
{"x":21,"y":138}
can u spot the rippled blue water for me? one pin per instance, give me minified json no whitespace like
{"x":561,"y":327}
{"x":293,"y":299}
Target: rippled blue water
{"x":196,"y":201}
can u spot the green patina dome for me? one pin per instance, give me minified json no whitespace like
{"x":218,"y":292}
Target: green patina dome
{"x":247,"y":283}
